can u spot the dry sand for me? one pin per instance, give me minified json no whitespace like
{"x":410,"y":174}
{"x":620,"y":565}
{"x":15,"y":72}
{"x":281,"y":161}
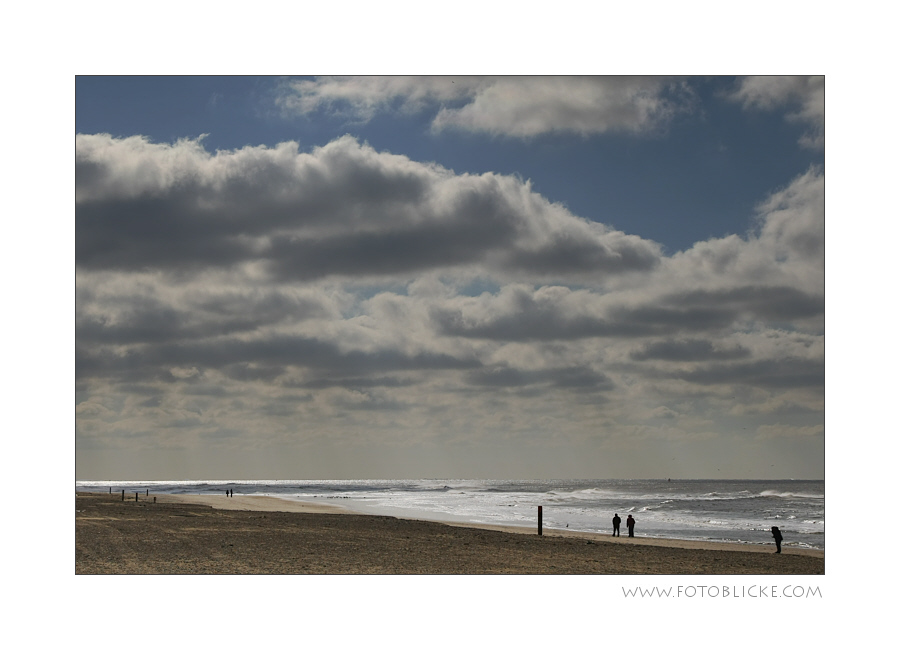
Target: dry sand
{"x":263,"y":535}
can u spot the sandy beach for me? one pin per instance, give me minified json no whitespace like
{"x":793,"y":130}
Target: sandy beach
{"x":188,"y":534}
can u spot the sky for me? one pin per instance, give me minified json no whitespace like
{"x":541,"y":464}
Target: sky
{"x":449,"y":277}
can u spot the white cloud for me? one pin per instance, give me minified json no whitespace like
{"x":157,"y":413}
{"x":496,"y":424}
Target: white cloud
{"x":362,"y":97}
{"x":787,"y":248}
{"x":525,"y":107}
{"x":805,"y":96}
{"x":509,"y":106}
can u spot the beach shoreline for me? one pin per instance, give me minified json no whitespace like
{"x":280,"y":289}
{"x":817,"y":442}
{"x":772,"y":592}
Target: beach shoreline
{"x":280,"y":504}
{"x":212,"y":534}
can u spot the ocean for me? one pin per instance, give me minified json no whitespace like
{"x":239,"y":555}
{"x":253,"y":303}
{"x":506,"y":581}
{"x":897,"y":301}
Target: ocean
{"x":730,"y":511}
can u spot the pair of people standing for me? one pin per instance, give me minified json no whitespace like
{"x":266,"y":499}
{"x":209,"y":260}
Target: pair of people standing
{"x":629,"y":523}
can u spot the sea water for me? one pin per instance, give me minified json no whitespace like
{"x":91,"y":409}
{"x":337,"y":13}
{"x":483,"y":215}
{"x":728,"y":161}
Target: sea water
{"x":732,"y":511}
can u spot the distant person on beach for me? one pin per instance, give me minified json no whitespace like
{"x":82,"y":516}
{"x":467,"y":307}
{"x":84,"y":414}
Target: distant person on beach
{"x":777,"y":535}
{"x":630,"y":523}
{"x":616,"y":521}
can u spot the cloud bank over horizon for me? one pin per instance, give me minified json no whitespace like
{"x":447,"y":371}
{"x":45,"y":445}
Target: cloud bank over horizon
{"x":339,"y":310}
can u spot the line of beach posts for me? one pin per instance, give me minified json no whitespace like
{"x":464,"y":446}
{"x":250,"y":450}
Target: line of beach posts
{"x":135,"y":495}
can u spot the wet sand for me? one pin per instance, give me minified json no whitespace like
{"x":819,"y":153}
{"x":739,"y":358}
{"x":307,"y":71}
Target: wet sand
{"x":181,"y":534}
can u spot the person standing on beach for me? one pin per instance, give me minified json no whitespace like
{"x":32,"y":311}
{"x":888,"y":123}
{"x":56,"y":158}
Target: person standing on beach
{"x":616,"y":521}
{"x":630,"y":523}
{"x":777,"y":535}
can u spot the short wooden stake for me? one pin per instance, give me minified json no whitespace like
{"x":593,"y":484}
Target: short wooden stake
{"x":540,"y":520}
{"x":135,"y":497}
{"x":123,"y":495}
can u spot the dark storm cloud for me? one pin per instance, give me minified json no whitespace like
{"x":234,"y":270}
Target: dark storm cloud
{"x":689,"y":350}
{"x":147,"y":319}
{"x":261,"y":307}
{"x":528,"y":319}
{"x":631,"y":323}
{"x":267,"y":355}
{"x":526,"y":325}
{"x":245,"y":371}
{"x":359,"y":254}
{"x":566,"y":254}
{"x":343,"y":209}
{"x":525,"y":315}
{"x":573,"y":378}
{"x":154,"y":233}
{"x":762,"y":302}
{"x":652,"y":319}
{"x":788,"y":372}
{"x":151,"y":321}
{"x":355,"y":383}
{"x":205,"y":390}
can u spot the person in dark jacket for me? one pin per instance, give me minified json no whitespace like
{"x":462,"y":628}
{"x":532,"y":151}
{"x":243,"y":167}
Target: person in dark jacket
{"x":616,"y":521}
{"x":630,"y":523}
{"x":777,"y":535}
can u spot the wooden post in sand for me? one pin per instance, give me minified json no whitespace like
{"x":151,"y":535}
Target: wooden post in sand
{"x":123,"y":495}
{"x":135,"y":497}
{"x":540,"y":520}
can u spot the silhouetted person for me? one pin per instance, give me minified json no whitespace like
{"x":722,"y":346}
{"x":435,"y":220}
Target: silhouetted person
{"x":630,"y":523}
{"x":777,"y":535}
{"x":616,"y":521}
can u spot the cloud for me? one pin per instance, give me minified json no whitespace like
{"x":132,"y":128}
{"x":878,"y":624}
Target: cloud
{"x":769,"y":373}
{"x":805,"y":96}
{"x":518,"y":313}
{"x":784,"y":254}
{"x":793,"y":219}
{"x":362,"y":97}
{"x":343,"y":209}
{"x":520,"y":107}
{"x":566,"y":378}
{"x":688,"y":350}
{"x":270,"y":295}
